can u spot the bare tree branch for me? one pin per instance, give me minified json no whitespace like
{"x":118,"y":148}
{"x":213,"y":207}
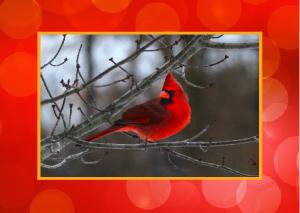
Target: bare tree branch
{"x":120,"y":104}
{"x":207,"y":44}
{"x":208,"y":164}
{"x":159,"y":145}
{"x":83,"y":86}
{"x":220,"y":45}
{"x":164,"y":146}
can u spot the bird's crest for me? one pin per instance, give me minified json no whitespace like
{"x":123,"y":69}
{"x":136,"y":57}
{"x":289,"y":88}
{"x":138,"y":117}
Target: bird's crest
{"x":172,"y":85}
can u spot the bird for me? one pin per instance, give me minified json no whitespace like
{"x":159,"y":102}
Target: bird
{"x":156,"y":119}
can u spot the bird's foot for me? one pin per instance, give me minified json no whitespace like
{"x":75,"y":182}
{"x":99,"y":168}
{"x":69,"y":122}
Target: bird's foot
{"x":145,"y":144}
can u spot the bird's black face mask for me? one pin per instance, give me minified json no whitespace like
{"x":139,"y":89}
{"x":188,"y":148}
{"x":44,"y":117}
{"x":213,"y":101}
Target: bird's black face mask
{"x":167,"y":97}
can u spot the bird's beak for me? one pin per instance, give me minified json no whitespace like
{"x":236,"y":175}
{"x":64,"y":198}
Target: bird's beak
{"x":164,"y":94}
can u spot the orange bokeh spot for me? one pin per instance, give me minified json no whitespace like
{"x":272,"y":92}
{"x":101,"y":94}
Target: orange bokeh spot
{"x":275,"y":99}
{"x":271,"y":57}
{"x":20,"y":19}
{"x":283,"y":26}
{"x":88,"y":20}
{"x":148,"y":194}
{"x":157,"y":17}
{"x":219,"y":14}
{"x":67,"y":7}
{"x":256,"y":1}
{"x":52,"y":200}
{"x":71,"y":7}
{"x":111,"y":6}
{"x":18,"y":74}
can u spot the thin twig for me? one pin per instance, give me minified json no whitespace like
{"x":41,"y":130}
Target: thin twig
{"x":54,"y":110}
{"x":189,"y":83}
{"x":112,"y":83}
{"x":70,"y":114}
{"x":129,"y":75}
{"x":78,"y":73}
{"x":208,"y":164}
{"x":65,"y":160}
{"x":202,"y":66}
{"x":199,"y":133}
{"x":56,"y":54}
{"x":60,"y":113}
{"x":57,"y":65}
{"x":88,"y":162}
{"x":78,"y":65}
{"x":84,"y":115}
{"x":50,"y":95}
{"x":219,"y":36}
{"x":165,"y":46}
{"x":87,"y":103}
{"x":218,"y":62}
{"x":220,"y":45}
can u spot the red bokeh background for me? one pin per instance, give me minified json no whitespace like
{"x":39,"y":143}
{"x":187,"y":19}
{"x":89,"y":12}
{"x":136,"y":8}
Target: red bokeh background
{"x":20,"y":191}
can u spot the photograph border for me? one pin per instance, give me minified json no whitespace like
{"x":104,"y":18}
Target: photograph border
{"x":39,"y":177}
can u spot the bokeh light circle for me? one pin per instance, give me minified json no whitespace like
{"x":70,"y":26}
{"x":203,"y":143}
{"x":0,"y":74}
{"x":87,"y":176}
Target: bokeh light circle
{"x":255,"y":2}
{"x":222,"y":193}
{"x":283,"y":26}
{"x":275,"y":99}
{"x":271,"y":57}
{"x":286,"y":167}
{"x":66,"y":7}
{"x":111,"y":6}
{"x":52,"y":200}
{"x":20,"y":21}
{"x":148,"y":194}
{"x":184,"y":193}
{"x":157,"y":17}
{"x":18,"y":74}
{"x":261,"y":196}
{"x":298,"y":162}
{"x":71,"y":7}
{"x":88,"y":20}
{"x":219,"y":14}
{"x":17,"y":186}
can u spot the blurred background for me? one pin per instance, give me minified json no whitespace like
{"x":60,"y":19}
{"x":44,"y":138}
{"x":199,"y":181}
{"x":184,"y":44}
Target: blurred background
{"x":232,"y":102}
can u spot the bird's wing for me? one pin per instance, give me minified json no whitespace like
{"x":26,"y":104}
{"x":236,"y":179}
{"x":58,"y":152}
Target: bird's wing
{"x":151,"y":112}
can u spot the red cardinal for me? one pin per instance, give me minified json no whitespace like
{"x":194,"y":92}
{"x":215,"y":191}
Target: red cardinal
{"x":155,"y":119}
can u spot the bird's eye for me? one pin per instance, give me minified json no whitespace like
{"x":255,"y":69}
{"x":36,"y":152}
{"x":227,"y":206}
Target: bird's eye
{"x":170,"y":92}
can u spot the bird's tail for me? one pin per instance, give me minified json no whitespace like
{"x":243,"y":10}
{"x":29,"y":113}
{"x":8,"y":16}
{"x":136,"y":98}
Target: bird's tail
{"x":104,"y":132}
